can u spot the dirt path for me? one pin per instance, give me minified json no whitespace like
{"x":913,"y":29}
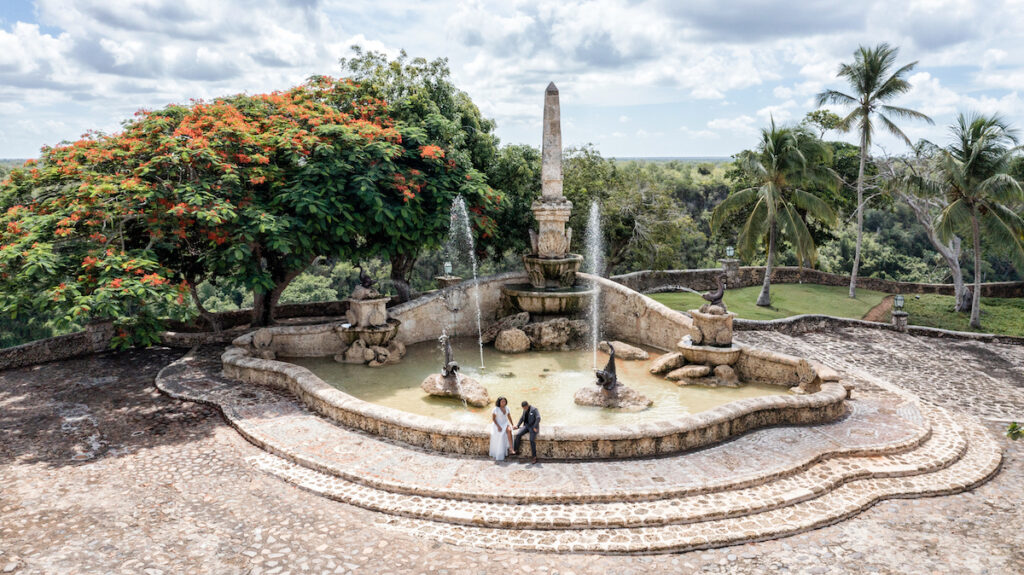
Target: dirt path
{"x":880,"y":312}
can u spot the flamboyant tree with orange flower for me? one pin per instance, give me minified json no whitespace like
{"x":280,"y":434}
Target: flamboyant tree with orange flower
{"x":245,"y":190}
{"x":449,"y":131}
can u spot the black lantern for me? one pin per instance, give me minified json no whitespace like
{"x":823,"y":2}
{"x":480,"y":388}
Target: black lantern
{"x":447,"y":268}
{"x":898,"y":303}
{"x":729,"y":251}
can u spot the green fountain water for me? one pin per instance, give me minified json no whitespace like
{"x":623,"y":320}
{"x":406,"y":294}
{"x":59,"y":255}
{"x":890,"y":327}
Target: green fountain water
{"x":546,"y":379}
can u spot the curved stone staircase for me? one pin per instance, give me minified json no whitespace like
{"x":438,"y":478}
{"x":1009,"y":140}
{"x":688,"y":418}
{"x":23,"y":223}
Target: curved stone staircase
{"x":765,"y":484}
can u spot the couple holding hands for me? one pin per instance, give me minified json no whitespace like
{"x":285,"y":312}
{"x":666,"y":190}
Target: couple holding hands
{"x":502,"y":441}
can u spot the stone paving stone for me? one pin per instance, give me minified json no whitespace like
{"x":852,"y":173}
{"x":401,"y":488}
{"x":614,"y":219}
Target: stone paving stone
{"x":170,"y":489}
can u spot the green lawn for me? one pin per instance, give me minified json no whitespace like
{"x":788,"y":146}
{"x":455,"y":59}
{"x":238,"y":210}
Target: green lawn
{"x":998,"y":315}
{"x":787,"y":300}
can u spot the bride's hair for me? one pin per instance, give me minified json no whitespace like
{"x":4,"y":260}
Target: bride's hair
{"x":498,"y":403}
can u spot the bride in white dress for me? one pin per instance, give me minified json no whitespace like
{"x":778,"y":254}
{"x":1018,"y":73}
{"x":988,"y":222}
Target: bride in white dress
{"x":501,"y":434}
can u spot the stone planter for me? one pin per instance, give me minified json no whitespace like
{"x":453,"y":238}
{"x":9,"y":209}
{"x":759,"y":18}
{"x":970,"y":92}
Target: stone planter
{"x":712,"y":329}
{"x":367,"y":312}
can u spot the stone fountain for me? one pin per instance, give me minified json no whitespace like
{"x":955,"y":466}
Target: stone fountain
{"x":369,"y":335}
{"x":610,"y":392}
{"x":552,"y":290}
{"x":709,"y":351}
{"x":450,"y":383}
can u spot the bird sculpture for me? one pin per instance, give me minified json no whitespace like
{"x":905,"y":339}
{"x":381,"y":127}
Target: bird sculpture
{"x":715,"y":297}
{"x":450,"y":367}
{"x":364,"y":279}
{"x":606,"y":377}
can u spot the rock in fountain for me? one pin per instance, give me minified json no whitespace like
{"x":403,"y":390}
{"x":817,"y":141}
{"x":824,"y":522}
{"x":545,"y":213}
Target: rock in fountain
{"x":552,"y":269}
{"x":609,"y":392}
{"x":368,"y":337}
{"x":450,"y":383}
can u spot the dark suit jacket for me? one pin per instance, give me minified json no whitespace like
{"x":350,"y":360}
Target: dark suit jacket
{"x":531,"y":417}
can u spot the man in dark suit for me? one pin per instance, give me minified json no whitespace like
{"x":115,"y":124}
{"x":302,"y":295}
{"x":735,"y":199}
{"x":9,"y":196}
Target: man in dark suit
{"x":528,"y":423}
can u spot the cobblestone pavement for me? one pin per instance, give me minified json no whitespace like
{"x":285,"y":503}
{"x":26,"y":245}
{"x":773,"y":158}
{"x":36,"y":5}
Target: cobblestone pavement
{"x":983,"y":379}
{"x":101,"y":474}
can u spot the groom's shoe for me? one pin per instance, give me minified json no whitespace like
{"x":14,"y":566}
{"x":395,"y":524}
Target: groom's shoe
{"x":534,"y":461}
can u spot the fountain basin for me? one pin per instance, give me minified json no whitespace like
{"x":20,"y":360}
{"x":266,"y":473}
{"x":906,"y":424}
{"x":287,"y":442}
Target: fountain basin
{"x":370,"y":335}
{"x":626,"y":315}
{"x":557,"y":272}
{"x":665,"y":434}
{"x":710,"y":355}
{"x":550,"y":301}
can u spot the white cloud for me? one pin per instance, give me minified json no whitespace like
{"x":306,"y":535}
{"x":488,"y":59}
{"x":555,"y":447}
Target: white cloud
{"x":743,"y":125}
{"x":90,"y":63}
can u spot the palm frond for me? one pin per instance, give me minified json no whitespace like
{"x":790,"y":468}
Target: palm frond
{"x":754,"y":229}
{"x":834,"y":97}
{"x":954,"y":217}
{"x":814,"y":206}
{"x":894,"y":129}
{"x":1004,"y":227}
{"x":906,"y":113}
{"x":730,"y":205}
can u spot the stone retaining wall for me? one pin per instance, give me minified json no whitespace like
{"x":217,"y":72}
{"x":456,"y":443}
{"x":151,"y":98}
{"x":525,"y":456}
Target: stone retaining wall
{"x":94,"y":339}
{"x":800,"y":324}
{"x":704,"y":280}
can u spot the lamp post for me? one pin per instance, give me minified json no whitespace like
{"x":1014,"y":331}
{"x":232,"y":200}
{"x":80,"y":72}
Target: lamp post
{"x":899,"y":317}
{"x":730,"y":265}
{"x":447,"y":279}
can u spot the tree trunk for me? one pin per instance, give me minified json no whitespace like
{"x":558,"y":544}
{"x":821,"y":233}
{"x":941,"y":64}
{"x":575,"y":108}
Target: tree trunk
{"x":210,"y":317}
{"x":262,"y":314}
{"x":976,"y":301}
{"x":765,"y":299}
{"x":860,"y":212}
{"x":264,"y":304}
{"x":950,"y":252}
{"x":401,"y":270}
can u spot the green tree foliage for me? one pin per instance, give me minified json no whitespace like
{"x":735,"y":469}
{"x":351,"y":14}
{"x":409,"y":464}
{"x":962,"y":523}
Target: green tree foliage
{"x":784,"y":163}
{"x":248,"y":190}
{"x":516,"y":174}
{"x":427,"y":106}
{"x":823,"y":121}
{"x":981,"y":194}
{"x":873,"y":85}
{"x":644,"y":223}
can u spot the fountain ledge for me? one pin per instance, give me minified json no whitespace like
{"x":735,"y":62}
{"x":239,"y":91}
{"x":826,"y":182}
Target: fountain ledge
{"x":557,"y":442}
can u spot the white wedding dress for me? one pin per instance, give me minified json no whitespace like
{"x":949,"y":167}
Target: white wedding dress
{"x":499,"y":438}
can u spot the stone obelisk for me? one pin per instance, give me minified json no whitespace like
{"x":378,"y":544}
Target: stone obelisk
{"x":551,"y":264}
{"x":551,"y":146}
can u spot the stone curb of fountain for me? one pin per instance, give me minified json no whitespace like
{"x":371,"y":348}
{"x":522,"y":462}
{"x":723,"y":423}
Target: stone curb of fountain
{"x":583,"y":442}
{"x":981,"y":461}
{"x":946,"y":447}
{"x":170,"y":381}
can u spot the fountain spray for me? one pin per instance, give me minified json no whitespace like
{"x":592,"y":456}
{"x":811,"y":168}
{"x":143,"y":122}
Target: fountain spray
{"x":460,"y":240}
{"x":595,"y":266}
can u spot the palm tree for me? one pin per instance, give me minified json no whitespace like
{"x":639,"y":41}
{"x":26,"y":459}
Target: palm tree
{"x":873,"y":85}
{"x":981,"y":194}
{"x":786,"y":159}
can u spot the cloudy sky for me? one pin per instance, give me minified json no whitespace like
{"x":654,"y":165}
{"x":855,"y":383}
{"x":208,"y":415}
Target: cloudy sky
{"x":637,"y":78}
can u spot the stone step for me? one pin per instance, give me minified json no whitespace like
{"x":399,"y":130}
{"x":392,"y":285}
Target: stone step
{"x":980,"y":461}
{"x":946,"y":445}
{"x":277,"y":423}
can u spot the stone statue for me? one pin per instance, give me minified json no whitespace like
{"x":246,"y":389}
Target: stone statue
{"x":715,"y":297}
{"x":450,"y":367}
{"x":606,"y":377}
{"x":365,"y":289}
